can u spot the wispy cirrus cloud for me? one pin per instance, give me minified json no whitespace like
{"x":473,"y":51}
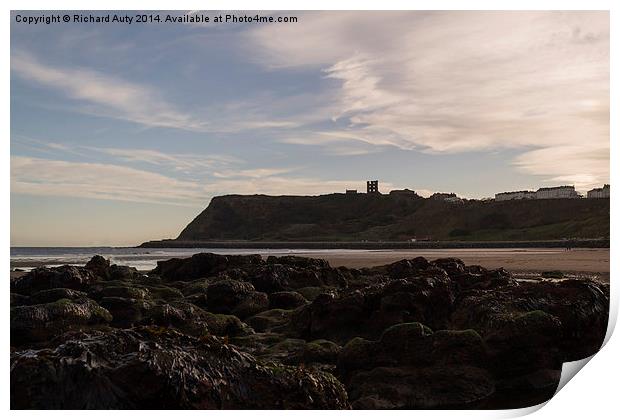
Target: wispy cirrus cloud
{"x":59,"y":178}
{"x":107,"y":96}
{"x":48,"y":177}
{"x":452,"y":82}
{"x":177,"y":161}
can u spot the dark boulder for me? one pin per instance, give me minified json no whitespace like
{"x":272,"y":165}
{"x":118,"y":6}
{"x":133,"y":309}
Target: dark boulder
{"x":43,"y":278}
{"x":368,"y":311}
{"x":299,"y":262}
{"x":413,"y":344}
{"x":273,"y":320}
{"x":39,"y":323}
{"x":126,"y":312}
{"x":99,"y":266}
{"x":445,"y":387}
{"x":288,"y":351}
{"x":52,"y":295}
{"x":123,"y":272}
{"x":162,"y":369}
{"x":286,"y":300}
{"x":19,"y":300}
{"x":524,"y":344}
{"x":226,"y":325}
{"x":453,"y":266}
{"x":321,"y":351}
{"x":412,"y":367}
{"x":271,"y":278}
{"x":580,"y":306}
{"x":278,"y":277}
{"x":203,"y":265}
{"x":164,"y":293}
{"x":476,"y":277}
{"x":405,"y":268}
{"x":235,"y":297}
{"x":131,"y":292}
{"x":183,"y":316}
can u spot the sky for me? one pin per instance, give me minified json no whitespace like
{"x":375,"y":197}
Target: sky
{"x":123,"y":133}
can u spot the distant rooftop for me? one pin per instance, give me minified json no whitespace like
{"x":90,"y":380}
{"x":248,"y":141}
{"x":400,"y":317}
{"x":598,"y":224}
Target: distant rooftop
{"x":556,"y":188}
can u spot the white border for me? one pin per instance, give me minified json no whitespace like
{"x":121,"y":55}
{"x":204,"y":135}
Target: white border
{"x":592,"y":394}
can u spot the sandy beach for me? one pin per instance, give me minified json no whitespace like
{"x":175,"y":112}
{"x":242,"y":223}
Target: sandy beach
{"x":576,"y":261}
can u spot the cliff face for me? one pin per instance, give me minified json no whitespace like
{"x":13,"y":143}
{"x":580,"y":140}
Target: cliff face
{"x":340,"y":217}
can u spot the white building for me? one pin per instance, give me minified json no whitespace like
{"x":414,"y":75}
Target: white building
{"x":565,"y":191}
{"x":515,"y":195}
{"x":599,"y":192}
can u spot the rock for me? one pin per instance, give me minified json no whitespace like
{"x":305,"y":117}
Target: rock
{"x":286,"y":300}
{"x":272,"y":320}
{"x":42,"y":278}
{"x":581,"y":306}
{"x":413,"y":344}
{"x":276,"y":276}
{"x":203,"y":265}
{"x":321,"y":351}
{"x":271,"y":278}
{"x":299,"y":262}
{"x":38,"y":323}
{"x":414,"y":334}
{"x":99,"y":266}
{"x":412,"y":367}
{"x":406,"y":268}
{"x":251,"y":304}
{"x":185,"y":317}
{"x":310,"y":293}
{"x":162,"y":369}
{"x":163,"y":293}
{"x":235,"y":297}
{"x":453,"y":266}
{"x":126,"y":312}
{"x":19,"y":300}
{"x":525,"y":343}
{"x":122,"y":272}
{"x":258,"y":343}
{"x":455,"y":387}
{"x":195,"y":288}
{"x":556,"y":274}
{"x":226,"y":325}
{"x":126,"y":292}
{"x":52,"y":295}
{"x":288,"y":351}
{"x":368,"y":311}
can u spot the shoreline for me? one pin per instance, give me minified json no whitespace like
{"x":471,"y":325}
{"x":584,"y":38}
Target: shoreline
{"x":577,"y":261}
{"x":391,"y":245}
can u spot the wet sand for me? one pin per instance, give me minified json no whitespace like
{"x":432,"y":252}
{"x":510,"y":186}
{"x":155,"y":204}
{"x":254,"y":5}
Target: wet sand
{"x":517,"y":260}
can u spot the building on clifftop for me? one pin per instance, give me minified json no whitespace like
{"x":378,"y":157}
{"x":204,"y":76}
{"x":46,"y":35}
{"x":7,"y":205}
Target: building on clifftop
{"x":515,"y":195}
{"x":372,"y":187}
{"x":565,"y":191}
{"x":600,"y":192}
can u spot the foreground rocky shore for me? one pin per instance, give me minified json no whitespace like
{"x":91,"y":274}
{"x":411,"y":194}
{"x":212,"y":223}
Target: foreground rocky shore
{"x":215,"y":331}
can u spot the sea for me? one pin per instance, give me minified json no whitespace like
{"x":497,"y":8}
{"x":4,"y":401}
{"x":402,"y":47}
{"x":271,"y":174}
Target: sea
{"x":27,"y":258}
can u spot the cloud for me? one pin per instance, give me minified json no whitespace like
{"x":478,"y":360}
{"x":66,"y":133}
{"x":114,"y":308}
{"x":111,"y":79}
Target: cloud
{"x":584,"y":164}
{"x":452,"y":82}
{"x":251,"y":173}
{"x":45,"y":177}
{"x":58,"y":178}
{"x":107,"y":96}
{"x":178,"y":161}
